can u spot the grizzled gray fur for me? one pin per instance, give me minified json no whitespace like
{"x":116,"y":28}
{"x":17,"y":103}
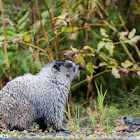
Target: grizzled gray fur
{"x":37,"y":98}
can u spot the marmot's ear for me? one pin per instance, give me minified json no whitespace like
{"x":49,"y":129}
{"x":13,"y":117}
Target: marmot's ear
{"x":57,"y":67}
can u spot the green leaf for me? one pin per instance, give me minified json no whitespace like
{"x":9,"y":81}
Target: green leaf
{"x":102,"y":64}
{"x":88,"y":48}
{"x":113,"y":62}
{"x":135,"y":39}
{"x":2,"y":37}
{"x":126,"y":64}
{"x":104,"y":56}
{"x":39,"y":24}
{"x":109,"y":47}
{"x":103,"y":32}
{"x":115,"y":72}
{"x":62,"y":16}
{"x":45,"y":14}
{"x":132,"y":33}
{"x":23,"y":19}
{"x":69,"y":29}
{"x":100,"y":45}
{"x":73,"y":36}
{"x":80,"y":7}
{"x":138,"y":72}
{"x":123,"y":35}
{"x":27,"y":38}
{"x":23,"y":25}
{"x":79,"y":59}
{"x":91,"y":68}
{"x":107,"y":39}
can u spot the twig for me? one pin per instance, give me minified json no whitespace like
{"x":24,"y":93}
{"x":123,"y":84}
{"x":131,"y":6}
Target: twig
{"x":90,"y":78}
{"x":1,"y":84}
{"x":28,"y":44}
{"x":44,"y":32}
{"x":137,"y":7}
{"x":137,"y":49}
{"x":55,"y":42}
{"x":32,"y":3}
{"x":61,"y":6}
{"x":127,"y":51}
{"x":120,"y":17}
{"x":93,"y":24}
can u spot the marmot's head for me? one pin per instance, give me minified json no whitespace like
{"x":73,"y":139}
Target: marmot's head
{"x":62,"y":69}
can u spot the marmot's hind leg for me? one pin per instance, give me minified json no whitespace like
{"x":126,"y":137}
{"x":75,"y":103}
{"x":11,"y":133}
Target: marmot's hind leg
{"x":18,"y":115}
{"x":25,"y":118}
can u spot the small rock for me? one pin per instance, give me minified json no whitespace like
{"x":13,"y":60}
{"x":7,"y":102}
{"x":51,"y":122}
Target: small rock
{"x":129,"y":119}
{"x":134,"y":127}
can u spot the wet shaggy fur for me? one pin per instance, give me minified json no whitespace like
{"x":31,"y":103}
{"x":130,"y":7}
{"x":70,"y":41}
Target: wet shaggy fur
{"x":37,"y":98}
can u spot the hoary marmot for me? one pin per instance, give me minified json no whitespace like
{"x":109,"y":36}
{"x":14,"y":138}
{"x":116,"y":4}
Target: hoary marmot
{"x":37,"y":98}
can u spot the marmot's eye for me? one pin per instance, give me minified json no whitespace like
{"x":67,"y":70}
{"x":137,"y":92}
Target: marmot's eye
{"x":68,"y":66}
{"x":57,"y":67}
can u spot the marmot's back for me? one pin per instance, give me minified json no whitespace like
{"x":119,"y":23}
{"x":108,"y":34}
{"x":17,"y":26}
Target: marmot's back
{"x":39,"y":97}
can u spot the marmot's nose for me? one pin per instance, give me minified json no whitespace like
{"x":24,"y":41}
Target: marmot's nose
{"x":77,"y":66}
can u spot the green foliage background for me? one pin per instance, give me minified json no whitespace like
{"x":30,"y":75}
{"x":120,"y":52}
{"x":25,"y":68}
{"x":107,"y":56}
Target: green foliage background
{"x":87,"y":23}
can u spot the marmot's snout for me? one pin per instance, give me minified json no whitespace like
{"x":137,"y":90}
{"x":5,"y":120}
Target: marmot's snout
{"x":76,"y":71}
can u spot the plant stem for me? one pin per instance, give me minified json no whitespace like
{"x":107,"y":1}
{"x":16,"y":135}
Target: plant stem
{"x":137,"y":7}
{"x":32,"y":3}
{"x":122,"y":43}
{"x":91,"y":78}
{"x":35,"y":47}
{"x":44,"y":32}
{"x":52,"y":24}
{"x":5,"y":42}
{"x":127,"y":51}
{"x":137,"y":49}
{"x":0,"y":84}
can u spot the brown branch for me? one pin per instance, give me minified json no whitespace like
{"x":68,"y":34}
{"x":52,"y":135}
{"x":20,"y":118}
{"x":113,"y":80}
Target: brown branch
{"x":1,"y":84}
{"x":28,"y":44}
{"x":90,"y":78}
{"x":52,"y":24}
{"x":88,"y":25}
{"x":61,"y":6}
{"x":44,"y":32}
{"x":96,"y":24}
{"x":55,"y":41}
{"x":32,"y":4}
{"x":48,"y":31}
